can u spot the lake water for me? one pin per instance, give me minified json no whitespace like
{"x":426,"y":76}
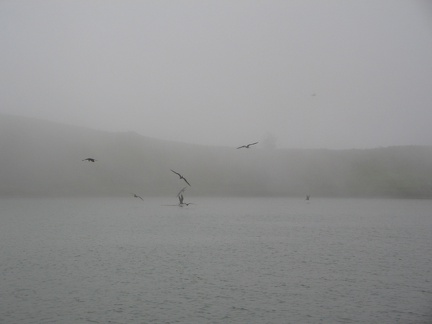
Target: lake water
{"x":123,"y":260}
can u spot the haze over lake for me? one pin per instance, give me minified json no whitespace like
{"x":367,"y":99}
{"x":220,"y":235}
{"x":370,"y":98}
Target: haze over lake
{"x":110,"y":257}
{"x":215,"y":161}
{"x":45,"y":158}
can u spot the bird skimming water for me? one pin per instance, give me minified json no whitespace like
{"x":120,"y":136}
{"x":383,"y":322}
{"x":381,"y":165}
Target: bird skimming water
{"x":181,"y":203}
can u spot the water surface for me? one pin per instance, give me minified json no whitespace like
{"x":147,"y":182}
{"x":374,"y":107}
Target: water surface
{"x":122,"y":260}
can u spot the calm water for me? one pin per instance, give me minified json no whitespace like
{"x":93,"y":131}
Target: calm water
{"x":123,"y":260}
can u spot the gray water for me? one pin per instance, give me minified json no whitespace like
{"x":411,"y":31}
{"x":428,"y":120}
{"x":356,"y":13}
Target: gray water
{"x":123,"y":260}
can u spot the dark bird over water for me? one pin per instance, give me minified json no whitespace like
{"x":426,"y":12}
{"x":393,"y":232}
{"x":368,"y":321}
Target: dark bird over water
{"x":181,"y":177}
{"x":90,"y":160}
{"x":246,"y":146}
{"x":136,"y":196}
{"x":181,"y":203}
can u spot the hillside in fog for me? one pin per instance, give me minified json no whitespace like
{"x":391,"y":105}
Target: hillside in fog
{"x":44,"y":158}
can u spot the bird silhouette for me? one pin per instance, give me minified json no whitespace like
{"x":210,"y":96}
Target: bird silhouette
{"x":136,"y":196}
{"x":247,"y":146}
{"x":90,"y":159}
{"x":181,"y":202}
{"x":181,"y":177}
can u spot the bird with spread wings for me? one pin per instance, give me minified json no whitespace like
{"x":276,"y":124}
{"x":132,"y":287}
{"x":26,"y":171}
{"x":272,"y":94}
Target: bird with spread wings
{"x":181,"y":177}
{"x":90,"y":159}
{"x":247,"y":145}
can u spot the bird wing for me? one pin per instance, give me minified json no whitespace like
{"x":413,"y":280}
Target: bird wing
{"x":181,"y":191}
{"x":176,"y":173}
{"x":186,"y":181}
{"x":254,"y":143}
{"x":241,"y":147}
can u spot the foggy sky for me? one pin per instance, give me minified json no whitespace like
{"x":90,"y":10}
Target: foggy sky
{"x":314,"y":74}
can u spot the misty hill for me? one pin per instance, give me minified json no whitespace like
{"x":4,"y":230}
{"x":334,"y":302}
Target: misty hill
{"x":45,"y":158}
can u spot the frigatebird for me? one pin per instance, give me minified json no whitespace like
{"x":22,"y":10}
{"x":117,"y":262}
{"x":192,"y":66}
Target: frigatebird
{"x":136,"y":196}
{"x":90,"y":160}
{"x":247,"y":146}
{"x":181,"y":177}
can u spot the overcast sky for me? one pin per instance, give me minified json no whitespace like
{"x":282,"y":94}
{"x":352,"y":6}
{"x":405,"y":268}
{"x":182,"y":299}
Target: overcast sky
{"x":312,"y":73}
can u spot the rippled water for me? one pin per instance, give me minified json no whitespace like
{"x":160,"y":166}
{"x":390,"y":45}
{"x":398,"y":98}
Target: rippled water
{"x":123,"y":260}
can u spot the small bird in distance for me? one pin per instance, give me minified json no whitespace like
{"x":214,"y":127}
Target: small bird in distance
{"x":247,"y":145}
{"x":136,"y":196}
{"x":181,"y":177}
{"x":90,"y":159}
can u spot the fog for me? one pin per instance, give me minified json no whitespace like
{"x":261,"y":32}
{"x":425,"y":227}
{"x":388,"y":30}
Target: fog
{"x":46,"y":158}
{"x":292,"y":74}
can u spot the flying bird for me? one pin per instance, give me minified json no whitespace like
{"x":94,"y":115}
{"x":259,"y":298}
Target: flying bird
{"x":136,"y":196}
{"x":90,"y":160}
{"x":247,"y":146}
{"x":181,"y":177}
